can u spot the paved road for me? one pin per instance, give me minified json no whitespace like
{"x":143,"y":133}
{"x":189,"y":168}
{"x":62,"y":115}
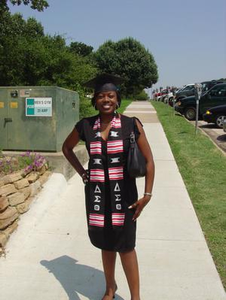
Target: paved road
{"x":50,"y":256}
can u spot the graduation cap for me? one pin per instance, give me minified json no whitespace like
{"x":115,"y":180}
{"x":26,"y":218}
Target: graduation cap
{"x":104,"y":82}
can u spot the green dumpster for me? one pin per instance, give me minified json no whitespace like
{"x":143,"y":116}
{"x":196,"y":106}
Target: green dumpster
{"x":36,"y":118}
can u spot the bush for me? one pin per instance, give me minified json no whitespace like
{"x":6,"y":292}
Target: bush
{"x":86,"y":108}
{"x":142,"y":96}
{"x":28,"y":161}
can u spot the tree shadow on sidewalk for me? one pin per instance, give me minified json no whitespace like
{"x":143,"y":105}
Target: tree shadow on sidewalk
{"x":76,"y":278}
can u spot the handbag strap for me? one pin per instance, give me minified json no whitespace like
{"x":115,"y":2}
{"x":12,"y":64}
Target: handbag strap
{"x":132,"y":134}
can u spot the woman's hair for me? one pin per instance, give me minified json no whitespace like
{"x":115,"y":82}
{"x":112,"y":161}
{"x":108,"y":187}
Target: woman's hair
{"x":93,"y":100}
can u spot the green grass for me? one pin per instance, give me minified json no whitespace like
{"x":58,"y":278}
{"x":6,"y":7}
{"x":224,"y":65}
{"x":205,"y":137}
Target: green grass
{"x":203,"y":168}
{"x":124,"y":104}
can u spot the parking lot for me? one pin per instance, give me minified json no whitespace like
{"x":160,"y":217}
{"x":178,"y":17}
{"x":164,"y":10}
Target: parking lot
{"x":212,"y":106}
{"x":217,"y":135}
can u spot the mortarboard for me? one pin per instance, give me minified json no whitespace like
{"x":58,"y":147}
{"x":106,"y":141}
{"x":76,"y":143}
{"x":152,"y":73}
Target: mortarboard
{"x":104,"y":82}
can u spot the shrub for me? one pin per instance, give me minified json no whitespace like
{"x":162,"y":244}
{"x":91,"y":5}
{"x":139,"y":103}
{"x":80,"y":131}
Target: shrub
{"x":28,"y":161}
{"x":142,"y":96}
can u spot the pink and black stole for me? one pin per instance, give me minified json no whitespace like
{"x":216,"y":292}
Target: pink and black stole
{"x":114,"y":172}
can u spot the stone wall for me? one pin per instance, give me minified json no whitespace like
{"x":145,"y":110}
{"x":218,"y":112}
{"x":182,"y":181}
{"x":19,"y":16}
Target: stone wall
{"x":17,"y":191}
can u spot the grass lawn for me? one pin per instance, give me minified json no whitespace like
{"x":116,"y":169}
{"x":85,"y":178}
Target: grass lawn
{"x":124,"y":104}
{"x":203,"y":168}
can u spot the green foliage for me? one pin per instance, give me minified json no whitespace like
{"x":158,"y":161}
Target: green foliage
{"x":129,"y":59}
{"x":39,"y":5}
{"x":142,"y":96}
{"x":29,"y":161}
{"x":17,"y":40}
{"x":202,"y":167}
{"x":124,"y":104}
{"x":29,"y":57}
{"x":80,"y":48}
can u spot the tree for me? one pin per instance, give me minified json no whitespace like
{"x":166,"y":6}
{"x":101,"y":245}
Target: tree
{"x":29,"y":57}
{"x":39,"y":5}
{"x":129,"y":59}
{"x":80,"y":48}
{"x":17,"y":37}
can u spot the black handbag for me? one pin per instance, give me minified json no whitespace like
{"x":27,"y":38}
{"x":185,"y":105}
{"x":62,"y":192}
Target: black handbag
{"x":136,"y":163}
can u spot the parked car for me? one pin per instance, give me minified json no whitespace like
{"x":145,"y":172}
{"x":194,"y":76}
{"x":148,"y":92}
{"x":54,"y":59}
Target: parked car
{"x":188,"y":90}
{"x":207,"y":85}
{"x":164,"y":94}
{"x":213,"y":97}
{"x":216,"y":115}
{"x":168,"y":98}
{"x":158,"y":96}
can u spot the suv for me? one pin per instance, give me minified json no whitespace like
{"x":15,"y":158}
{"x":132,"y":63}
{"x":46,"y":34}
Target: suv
{"x":188,"y":90}
{"x":213,"y":97}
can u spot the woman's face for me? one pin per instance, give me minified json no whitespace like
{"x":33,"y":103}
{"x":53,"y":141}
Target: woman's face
{"x":106,"y":102}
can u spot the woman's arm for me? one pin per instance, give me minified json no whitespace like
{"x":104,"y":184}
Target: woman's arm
{"x":67,"y":148}
{"x":149,"y":177}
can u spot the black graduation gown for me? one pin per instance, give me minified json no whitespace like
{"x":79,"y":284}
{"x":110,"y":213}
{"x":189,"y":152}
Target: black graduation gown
{"x":108,"y":238}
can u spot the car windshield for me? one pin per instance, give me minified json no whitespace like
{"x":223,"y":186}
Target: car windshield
{"x":188,"y":87}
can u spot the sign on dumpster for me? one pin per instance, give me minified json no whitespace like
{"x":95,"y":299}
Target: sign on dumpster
{"x":38,"y":107}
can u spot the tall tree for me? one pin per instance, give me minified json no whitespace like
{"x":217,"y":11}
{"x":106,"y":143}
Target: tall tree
{"x":29,"y":57}
{"x":80,"y":48}
{"x":129,"y":59}
{"x":39,"y":5}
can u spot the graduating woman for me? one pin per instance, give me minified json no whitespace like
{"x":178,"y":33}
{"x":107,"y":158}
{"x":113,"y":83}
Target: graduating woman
{"x":112,"y":203}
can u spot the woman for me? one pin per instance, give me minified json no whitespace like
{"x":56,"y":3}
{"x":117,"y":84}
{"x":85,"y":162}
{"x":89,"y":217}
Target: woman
{"x":112,"y":203}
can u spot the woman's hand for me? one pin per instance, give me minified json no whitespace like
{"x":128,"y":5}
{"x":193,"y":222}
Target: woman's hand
{"x":139,"y":205}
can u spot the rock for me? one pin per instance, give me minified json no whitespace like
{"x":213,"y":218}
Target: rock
{"x":2,"y":251}
{"x":11,"y":228}
{"x":24,"y":207}
{"x":16,"y":199}
{"x":42,"y":170}
{"x":12,"y":178}
{"x":21,"y":183}
{"x":1,"y":182}
{"x":35,"y":187}
{"x":3,"y":239}
{"x":32,"y":177}
{"x":8,"y":216}
{"x":44,"y":177}
{"x":26,"y":191}
{"x":4,"y":203}
{"x":25,"y":172}
{"x":7,"y":190}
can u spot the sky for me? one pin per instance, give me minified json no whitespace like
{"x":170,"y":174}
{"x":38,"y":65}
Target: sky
{"x":186,"y":38}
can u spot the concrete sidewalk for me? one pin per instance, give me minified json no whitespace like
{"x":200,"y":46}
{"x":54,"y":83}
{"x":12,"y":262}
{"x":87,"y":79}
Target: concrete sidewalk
{"x":50,"y":256}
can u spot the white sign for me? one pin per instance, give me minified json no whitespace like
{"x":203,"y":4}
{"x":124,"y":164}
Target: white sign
{"x":38,"y":107}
